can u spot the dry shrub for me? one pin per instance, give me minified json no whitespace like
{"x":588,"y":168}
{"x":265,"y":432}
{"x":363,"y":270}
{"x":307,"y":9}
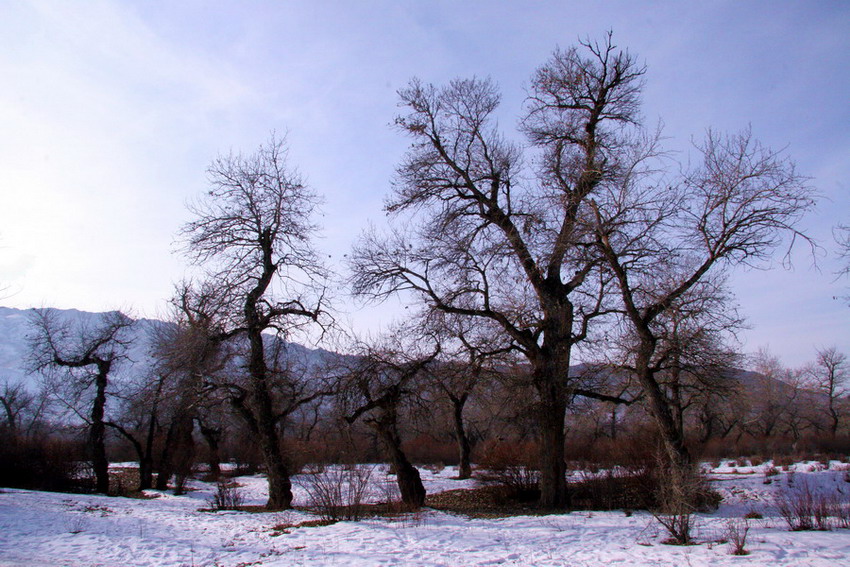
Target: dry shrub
{"x":782,"y":461}
{"x":512,"y":465}
{"x":615,"y":489}
{"x":803,"y":507}
{"x":736,"y":533}
{"x":681,"y":492}
{"x":426,"y":449}
{"x":628,"y":451}
{"x":842,"y":509}
{"x":227,"y":496}
{"x":771,"y":471}
{"x":338,"y":493}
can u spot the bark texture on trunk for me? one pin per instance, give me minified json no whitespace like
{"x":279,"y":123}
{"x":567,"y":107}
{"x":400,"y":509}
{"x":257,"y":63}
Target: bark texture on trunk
{"x":551,"y":380}
{"x":553,"y":468}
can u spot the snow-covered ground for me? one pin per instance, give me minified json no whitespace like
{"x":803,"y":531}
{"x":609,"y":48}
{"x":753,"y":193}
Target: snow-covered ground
{"x":41,"y":528}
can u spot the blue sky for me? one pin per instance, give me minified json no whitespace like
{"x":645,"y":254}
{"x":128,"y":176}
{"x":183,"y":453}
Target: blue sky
{"x":111,"y":111}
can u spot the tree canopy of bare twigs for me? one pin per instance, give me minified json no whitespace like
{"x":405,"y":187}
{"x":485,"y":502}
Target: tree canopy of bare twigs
{"x":588,"y":219}
{"x":670,"y":239}
{"x":497,"y":232}
{"x":830,"y":376}
{"x":254,"y":232}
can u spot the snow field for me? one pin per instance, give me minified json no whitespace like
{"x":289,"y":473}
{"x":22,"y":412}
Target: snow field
{"x":40,"y":528}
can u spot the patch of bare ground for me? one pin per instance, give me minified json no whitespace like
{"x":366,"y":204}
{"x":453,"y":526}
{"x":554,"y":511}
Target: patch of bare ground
{"x":484,"y":502}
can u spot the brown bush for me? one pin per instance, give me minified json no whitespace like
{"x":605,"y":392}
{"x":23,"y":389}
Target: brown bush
{"x":615,"y":489}
{"x":426,"y":449}
{"x":512,"y":465}
{"x":42,"y":464}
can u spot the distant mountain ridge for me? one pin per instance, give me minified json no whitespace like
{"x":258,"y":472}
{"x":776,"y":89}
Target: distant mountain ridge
{"x":16,"y":327}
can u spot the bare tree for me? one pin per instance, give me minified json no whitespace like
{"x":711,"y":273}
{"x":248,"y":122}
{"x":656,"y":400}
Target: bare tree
{"x":138,"y":421}
{"x":375,"y":387}
{"x":16,"y":401}
{"x":83,"y":357}
{"x":471,"y":355}
{"x":254,"y":231}
{"x":488,"y":238}
{"x":829,"y":375}
{"x":669,"y":240}
{"x":189,"y":355}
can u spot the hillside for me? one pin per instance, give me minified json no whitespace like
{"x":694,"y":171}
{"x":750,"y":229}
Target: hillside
{"x":16,"y":327}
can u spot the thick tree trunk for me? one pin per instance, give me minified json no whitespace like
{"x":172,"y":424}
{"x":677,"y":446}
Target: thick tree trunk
{"x":146,"y":473}
{"x":277,"y":471}
{"x":463,"y":444}
{"x":184,"y":457}
{"x":550,"y":376}
{"x":97,"y":432}
{"x":553,"y":468}
{"x":262,"y":417}
{"x":407,"y":477}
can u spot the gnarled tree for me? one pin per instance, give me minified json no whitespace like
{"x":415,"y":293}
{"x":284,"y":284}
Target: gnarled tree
{"x":375,"y":387}
{"x":253,"y":230}
{"x":81,"y":355}
{"x":482,"y":234}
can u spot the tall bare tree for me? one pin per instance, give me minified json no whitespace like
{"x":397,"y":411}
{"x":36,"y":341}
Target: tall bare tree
{"x":483,"y":235}
{"x":253,"y":230}
{"x":82,"y":356}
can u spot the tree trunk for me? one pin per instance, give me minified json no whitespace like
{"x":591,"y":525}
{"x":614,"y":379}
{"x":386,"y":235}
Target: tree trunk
{"x":672,"y":433}
{"x":97,"y":432}
{"x":833,"y":414}
{"x":178,"y":450}
{"x":553,"y":468}
{"x":277,"y":471}
{"x":407,"y":477}
{"x":463,"y":444}
{"x":212,"y":435}
{"x":550,"y":378}
{"x":184,"y":457}
{"x":166,"y":469}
